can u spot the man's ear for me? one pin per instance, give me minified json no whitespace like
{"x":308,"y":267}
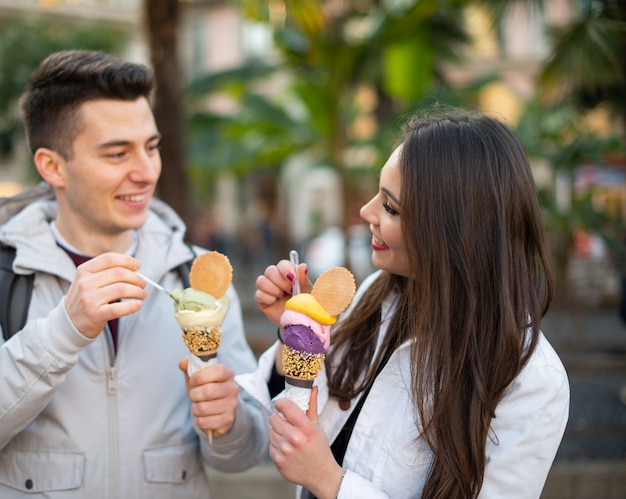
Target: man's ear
{"x":50,"y":165}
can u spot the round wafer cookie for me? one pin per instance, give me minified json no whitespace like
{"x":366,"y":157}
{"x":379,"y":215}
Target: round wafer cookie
{"x":334,"y":290}
{"x":212,"y":273}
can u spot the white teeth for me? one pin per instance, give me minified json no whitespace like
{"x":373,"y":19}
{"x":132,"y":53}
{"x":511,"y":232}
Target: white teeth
{"x":136,"y":198}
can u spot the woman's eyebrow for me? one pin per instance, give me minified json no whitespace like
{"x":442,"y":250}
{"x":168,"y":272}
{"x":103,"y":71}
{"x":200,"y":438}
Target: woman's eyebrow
{"x":390,"y":194}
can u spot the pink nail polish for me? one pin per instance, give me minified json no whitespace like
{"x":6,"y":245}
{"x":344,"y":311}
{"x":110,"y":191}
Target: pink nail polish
{"x":290,"y":276}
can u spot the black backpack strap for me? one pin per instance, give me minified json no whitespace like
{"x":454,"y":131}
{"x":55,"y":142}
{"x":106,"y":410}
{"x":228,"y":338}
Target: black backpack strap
{"x":15,"y":294}
{"x":184,"y":268}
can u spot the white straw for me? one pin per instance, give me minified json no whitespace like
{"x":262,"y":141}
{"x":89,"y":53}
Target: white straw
{"x":293,"y":258}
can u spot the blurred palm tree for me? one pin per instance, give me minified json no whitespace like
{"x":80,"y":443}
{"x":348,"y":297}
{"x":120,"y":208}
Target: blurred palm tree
{"x":587,"y":65}
{"x":162,"y":20}
{"x":329,"y":55}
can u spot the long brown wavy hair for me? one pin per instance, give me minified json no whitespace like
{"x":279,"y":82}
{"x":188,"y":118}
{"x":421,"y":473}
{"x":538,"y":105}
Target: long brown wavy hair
{"x":479,"y":283}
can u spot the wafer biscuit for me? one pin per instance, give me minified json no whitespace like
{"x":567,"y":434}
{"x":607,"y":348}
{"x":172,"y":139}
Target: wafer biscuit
{"x":212,"y":273}
{"x":334,"y":290}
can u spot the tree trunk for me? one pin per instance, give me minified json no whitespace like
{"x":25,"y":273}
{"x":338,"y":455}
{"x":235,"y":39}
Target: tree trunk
{"x":162,"y":17}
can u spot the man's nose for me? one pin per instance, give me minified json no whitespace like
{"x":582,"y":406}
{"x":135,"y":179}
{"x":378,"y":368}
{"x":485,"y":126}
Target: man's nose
{"x":147,"y":167}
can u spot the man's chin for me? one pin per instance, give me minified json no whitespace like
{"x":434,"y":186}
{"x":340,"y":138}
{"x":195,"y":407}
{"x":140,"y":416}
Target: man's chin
{"x":134,"y":222}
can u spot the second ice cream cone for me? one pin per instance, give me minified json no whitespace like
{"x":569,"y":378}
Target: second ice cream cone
{"x":301,"y":368}
{"x":301,"y":365}
{"x":306,"y":323}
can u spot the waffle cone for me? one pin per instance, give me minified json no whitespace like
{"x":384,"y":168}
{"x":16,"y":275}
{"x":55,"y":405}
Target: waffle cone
{"x":302,"y":365}
{"x":334,"y":290}
{"x":202,"y":340}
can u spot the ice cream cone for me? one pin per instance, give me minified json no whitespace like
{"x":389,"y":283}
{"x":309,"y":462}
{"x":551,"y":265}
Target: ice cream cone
{"x":302,"y":365}
{"x":202,"y":340}
{"x":203,"y":343}
{"x":306,"y":323}
{"x":200,"y":310}
{"x":301,"y":368}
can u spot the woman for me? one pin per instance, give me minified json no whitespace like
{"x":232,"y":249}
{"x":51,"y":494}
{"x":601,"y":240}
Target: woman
{"x":462,"y":396}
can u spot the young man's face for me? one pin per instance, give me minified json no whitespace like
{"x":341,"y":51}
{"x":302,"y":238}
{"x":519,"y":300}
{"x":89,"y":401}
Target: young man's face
{"x":113,"y":171}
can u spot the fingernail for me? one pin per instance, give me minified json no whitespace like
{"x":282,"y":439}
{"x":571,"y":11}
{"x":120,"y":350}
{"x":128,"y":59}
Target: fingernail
{"x":285,"y":294}
{"x":290,"y":276}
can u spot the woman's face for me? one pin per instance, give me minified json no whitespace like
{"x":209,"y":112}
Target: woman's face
{"x":383,"y":214}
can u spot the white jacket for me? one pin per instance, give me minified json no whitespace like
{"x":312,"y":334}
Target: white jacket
{"x":77,"y":420}
{"x":386,"y":456}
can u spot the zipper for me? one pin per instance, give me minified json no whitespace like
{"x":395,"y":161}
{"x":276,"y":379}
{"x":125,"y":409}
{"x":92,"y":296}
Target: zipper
{"x":111,"y":372}
{"x":112,"y":382}
{"x":112,"y":416}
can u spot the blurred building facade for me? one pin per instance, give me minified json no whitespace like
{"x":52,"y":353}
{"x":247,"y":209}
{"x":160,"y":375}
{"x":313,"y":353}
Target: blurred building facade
{"x":215,"y":37}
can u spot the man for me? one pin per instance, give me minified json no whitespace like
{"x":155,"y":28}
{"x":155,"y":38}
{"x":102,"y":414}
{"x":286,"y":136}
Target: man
{"x":93,"y":402}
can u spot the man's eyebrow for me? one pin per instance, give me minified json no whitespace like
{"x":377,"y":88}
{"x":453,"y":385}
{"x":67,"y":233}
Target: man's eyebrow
{"x":113,"y":143}
{"x":118,"y":143}
{"x":390,"y":194}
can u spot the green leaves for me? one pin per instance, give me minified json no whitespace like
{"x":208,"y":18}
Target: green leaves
{"x":23,"y":45}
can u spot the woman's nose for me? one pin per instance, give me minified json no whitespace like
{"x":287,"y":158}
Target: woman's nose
{"x":366,"y":211}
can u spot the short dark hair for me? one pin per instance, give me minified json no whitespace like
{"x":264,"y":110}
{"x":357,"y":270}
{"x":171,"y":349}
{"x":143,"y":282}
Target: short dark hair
{"x":64,"y":81}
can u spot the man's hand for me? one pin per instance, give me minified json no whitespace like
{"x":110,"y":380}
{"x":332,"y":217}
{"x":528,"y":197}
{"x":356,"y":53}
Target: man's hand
{"x":213,"y":394}
{"x":104,"y":288}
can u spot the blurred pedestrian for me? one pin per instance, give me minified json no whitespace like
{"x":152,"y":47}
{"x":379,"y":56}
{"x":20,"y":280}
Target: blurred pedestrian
{"x":439,"y":382}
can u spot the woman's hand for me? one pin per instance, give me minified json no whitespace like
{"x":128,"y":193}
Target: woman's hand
{"x":274,"y":288}
{"x":300,"y":449}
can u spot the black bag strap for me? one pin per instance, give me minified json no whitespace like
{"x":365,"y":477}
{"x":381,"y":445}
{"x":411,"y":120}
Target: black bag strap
{"x":185,"y":267}
{"x":340,"y":444}
{"x":15,"y":294}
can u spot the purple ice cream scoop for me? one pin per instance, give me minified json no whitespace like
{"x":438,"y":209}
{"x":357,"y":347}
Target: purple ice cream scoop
{"x":303,"y":339}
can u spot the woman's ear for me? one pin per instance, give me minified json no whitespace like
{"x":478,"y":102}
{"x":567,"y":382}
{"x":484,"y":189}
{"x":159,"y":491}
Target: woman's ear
{"x":49,"y":164}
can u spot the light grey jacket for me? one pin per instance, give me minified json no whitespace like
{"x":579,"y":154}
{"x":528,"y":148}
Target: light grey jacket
{"x":77,"y":420}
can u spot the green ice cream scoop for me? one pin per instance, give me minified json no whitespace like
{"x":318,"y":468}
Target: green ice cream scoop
{"x":192,"y":300}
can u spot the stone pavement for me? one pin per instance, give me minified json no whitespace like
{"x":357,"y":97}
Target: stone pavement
{"x":591,"y":461}
{"x":260,"y":482}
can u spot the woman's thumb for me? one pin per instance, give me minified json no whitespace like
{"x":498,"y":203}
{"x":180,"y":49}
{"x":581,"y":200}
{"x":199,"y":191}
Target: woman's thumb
{"x":312,"y":410}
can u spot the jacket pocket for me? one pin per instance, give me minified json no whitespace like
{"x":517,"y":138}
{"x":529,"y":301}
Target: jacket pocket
{"x":42,"y":471}
{"x":173,"y":463}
